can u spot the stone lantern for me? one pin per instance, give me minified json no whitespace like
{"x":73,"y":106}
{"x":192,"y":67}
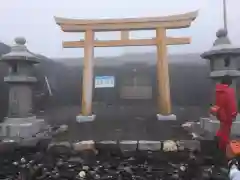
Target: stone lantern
{"x":20,"y":122}
{"x":223,"y":58}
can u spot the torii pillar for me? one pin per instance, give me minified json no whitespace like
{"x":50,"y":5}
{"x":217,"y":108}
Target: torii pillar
{"x":88,"y":65}
{"x":164,"y":99}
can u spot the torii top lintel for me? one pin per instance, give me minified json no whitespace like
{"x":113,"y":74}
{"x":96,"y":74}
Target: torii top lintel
{"x":167,"y":22}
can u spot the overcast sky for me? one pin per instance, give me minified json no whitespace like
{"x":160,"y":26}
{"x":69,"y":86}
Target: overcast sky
{"x":34,"y":19}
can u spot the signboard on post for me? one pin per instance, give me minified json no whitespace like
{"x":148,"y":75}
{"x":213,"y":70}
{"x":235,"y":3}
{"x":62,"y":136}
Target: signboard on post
{"x":104,"y":81}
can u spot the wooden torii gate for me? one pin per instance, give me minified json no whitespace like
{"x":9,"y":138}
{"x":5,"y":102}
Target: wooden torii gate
{"x":160,"y":24}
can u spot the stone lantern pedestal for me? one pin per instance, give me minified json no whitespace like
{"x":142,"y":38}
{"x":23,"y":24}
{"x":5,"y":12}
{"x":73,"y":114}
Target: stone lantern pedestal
{"x":211,"y":124}
{"x":21,"y":124}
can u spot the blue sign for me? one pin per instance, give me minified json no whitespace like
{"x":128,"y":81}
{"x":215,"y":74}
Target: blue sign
{"x":104,"y":81}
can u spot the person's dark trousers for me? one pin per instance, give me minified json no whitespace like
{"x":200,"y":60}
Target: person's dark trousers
{"x":220,"y":154}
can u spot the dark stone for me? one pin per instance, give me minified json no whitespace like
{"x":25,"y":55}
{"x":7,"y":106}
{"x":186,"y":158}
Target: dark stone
{"x":8,"y":147}
{"x":60,"y":148}
{"x":208,"y":147}
{"x":190,"y":144}
{"x":88,"y":156}
{"x":43,"y":144}
{"x":108,"y":148}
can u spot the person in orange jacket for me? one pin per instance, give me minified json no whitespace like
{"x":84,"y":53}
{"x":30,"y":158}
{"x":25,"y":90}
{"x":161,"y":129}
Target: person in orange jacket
{"x":225,"y":109}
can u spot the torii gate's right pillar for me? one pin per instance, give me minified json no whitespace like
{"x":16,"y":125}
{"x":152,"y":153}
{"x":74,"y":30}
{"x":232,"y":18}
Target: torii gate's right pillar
{"x":164,"y":97}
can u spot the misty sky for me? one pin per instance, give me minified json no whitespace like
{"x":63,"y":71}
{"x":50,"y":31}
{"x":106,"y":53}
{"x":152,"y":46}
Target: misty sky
{"x":34,"y":20}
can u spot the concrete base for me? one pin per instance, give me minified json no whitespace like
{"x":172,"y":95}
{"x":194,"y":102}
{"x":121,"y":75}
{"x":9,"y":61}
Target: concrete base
{"x":170,"y":117}
{"x":82,"y":118}
{"x":21,"y":127}
{"x":211,"y":125}
{"x":238,"y":117}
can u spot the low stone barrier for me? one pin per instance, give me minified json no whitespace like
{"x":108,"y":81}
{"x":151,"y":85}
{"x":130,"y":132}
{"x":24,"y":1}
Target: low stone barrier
{"x":123,"y":146}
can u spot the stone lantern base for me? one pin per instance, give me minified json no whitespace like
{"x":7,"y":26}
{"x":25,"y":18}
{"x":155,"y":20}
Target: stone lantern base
{"x":211,"y":124}
{"x":21,"y":127}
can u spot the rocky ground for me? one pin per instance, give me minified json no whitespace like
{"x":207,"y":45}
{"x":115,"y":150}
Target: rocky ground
{"x":128,"y":160}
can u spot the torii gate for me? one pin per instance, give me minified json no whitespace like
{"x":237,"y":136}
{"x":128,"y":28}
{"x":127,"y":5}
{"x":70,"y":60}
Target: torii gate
{"x":160,"y":24}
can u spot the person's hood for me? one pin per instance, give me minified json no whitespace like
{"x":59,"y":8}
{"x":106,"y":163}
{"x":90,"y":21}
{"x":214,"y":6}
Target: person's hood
{"x":221,"y":87}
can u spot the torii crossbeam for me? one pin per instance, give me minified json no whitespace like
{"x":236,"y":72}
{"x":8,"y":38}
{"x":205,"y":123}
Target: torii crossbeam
{"x":160,"y":24}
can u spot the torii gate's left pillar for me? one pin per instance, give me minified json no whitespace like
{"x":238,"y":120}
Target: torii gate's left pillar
{"x":164,"y":99}
{"x":87,"y":83}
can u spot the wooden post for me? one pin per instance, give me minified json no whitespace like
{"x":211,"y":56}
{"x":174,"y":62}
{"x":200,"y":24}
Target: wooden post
{"x":164,"y":100}
{"x":125,"y":35}
{"x":87,"y":86}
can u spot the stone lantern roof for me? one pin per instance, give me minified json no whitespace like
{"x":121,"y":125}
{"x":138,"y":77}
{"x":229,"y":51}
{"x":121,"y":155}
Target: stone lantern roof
{"x":221,"y":46}
{"x":19,"y":52}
